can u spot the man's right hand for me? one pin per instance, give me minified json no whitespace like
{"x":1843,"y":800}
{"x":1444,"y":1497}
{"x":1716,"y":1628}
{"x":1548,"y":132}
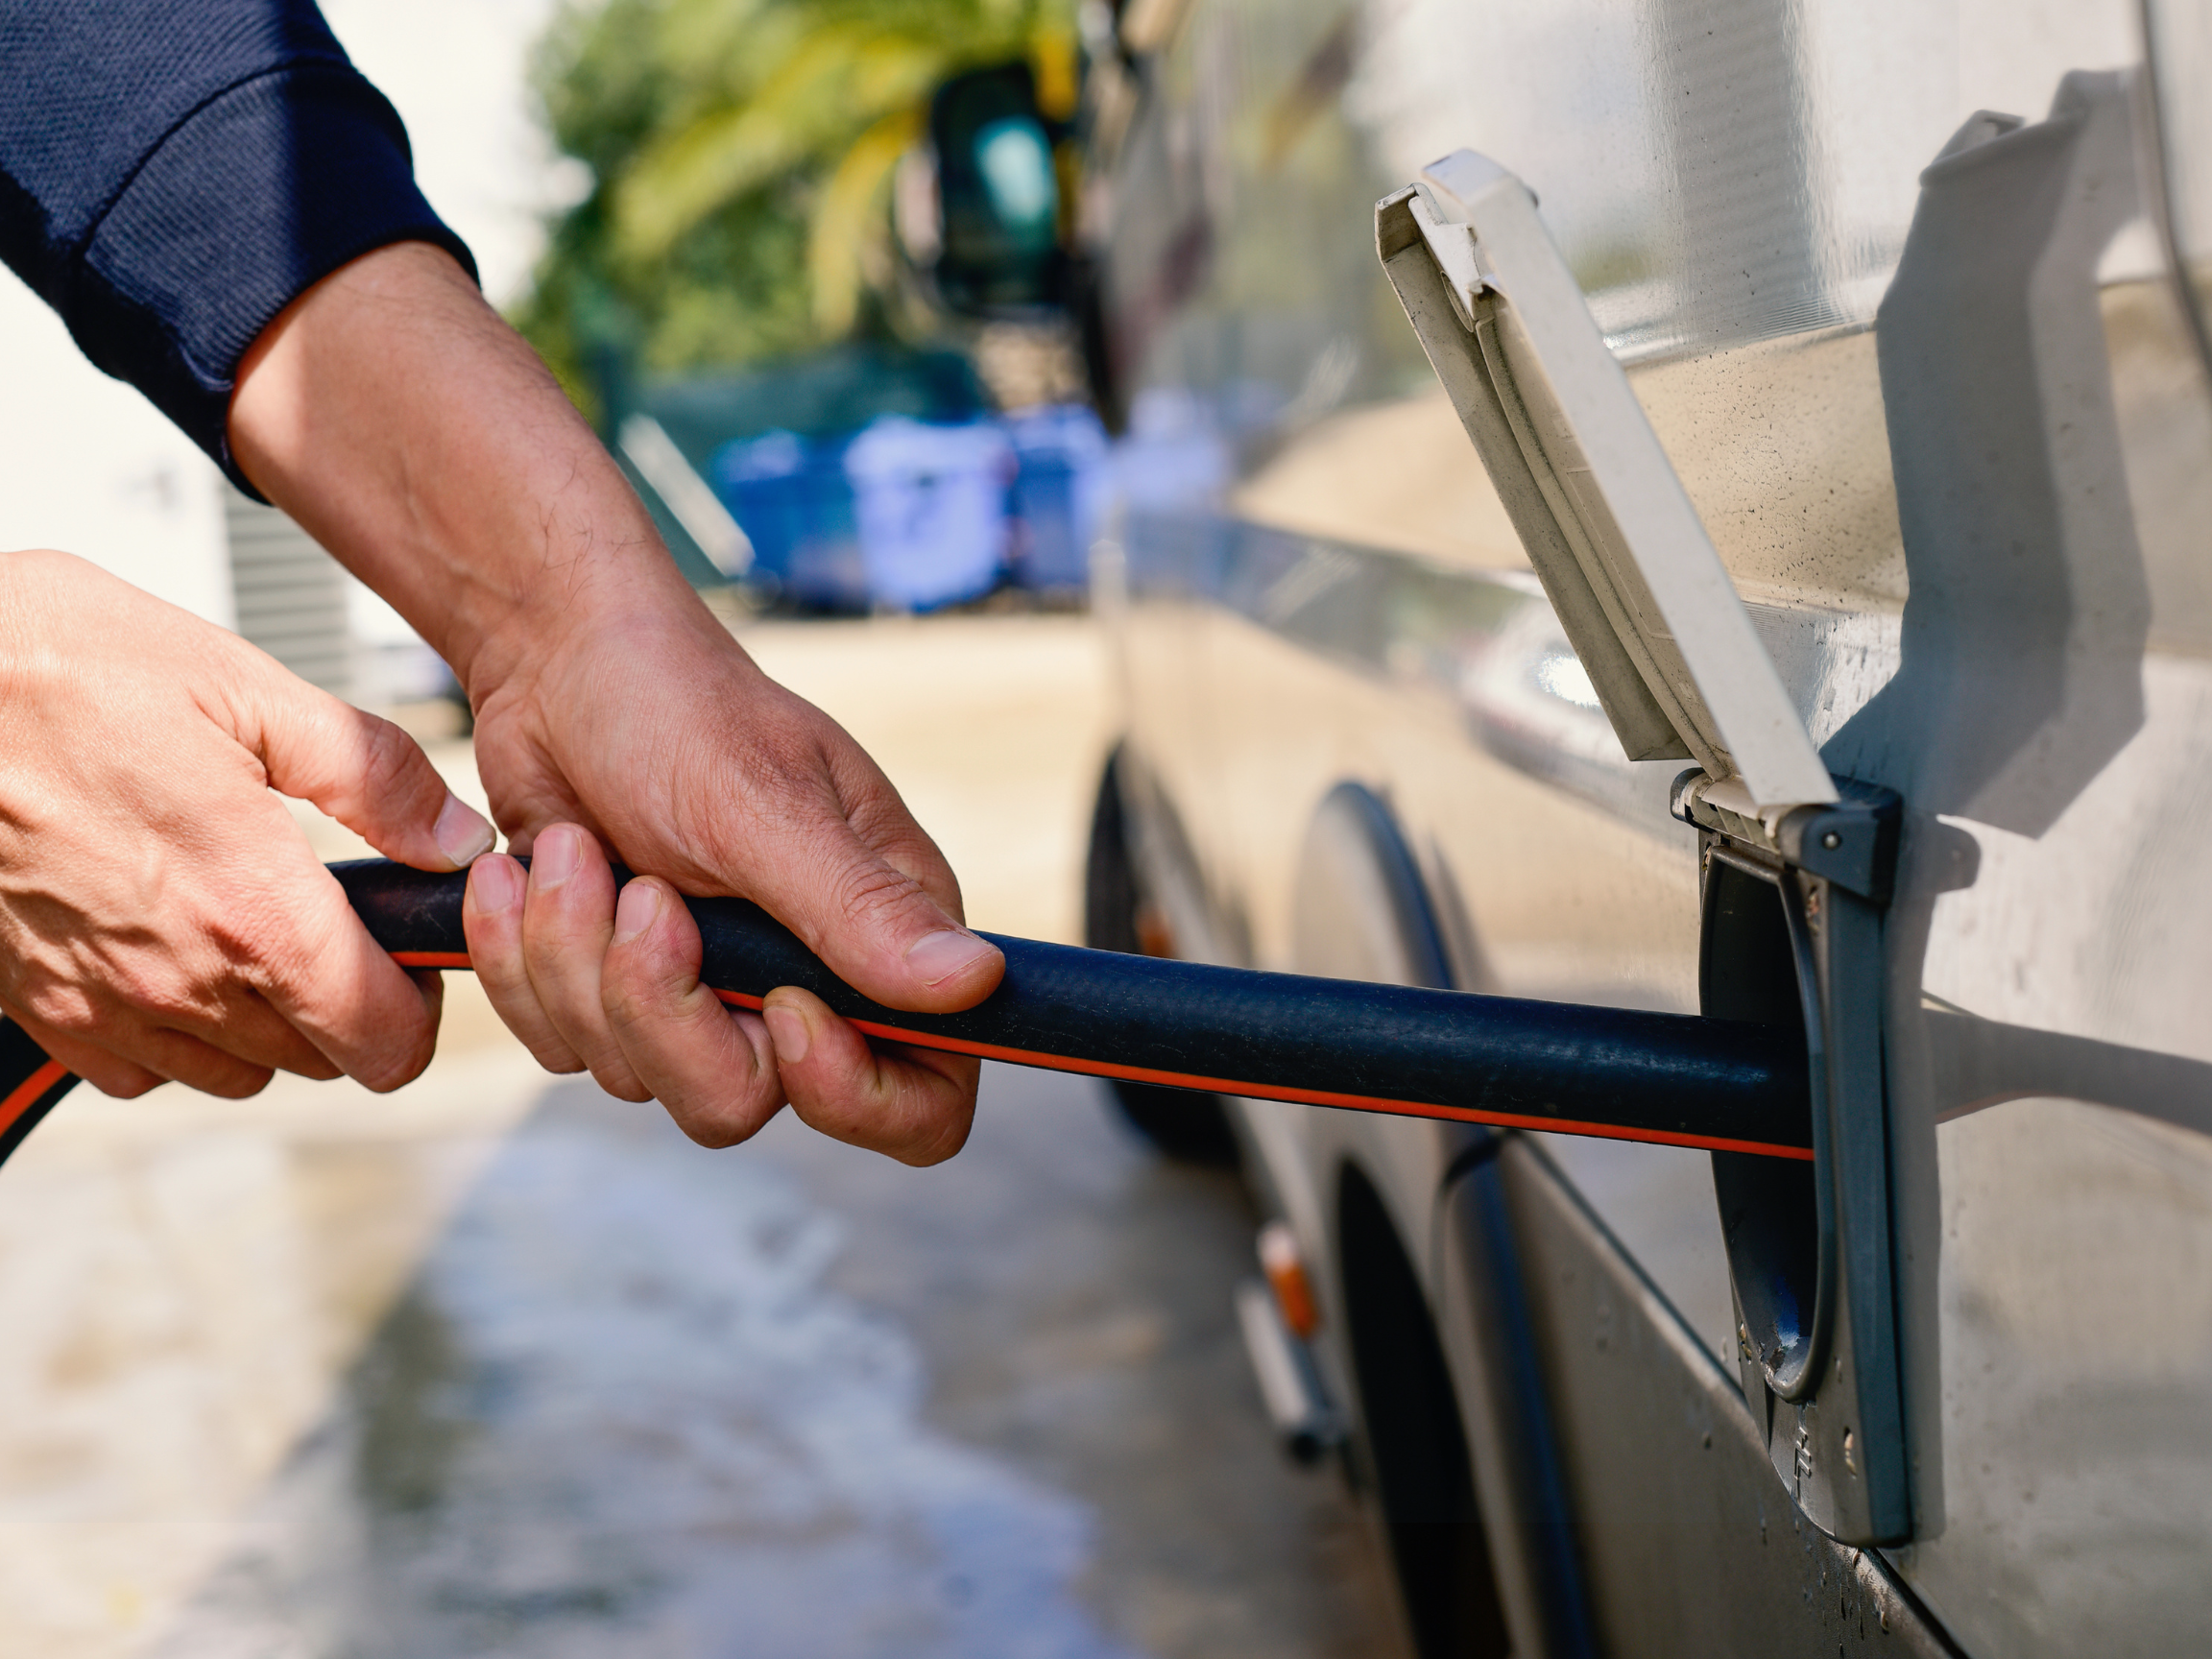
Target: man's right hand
{"x":411,"y":431}
{"x":160,"y":915}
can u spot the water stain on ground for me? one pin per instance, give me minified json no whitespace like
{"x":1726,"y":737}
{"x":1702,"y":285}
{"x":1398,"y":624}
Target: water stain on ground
{"x":646,"y":1402}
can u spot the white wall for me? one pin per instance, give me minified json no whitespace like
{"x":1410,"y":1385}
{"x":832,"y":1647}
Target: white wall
{"x":87,"y":464}
{"x":455,"y":70}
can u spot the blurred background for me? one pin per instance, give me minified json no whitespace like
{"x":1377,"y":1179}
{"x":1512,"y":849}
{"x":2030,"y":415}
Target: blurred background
{"x":494,"y":1364}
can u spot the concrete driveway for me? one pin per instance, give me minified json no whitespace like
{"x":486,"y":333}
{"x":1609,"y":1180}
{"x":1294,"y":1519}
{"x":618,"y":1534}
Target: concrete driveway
{"x":496,"y":1365}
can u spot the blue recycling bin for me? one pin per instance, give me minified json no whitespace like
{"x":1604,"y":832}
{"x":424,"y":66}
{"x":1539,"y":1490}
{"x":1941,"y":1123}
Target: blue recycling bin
{"x":791,"y":497}
{"x":930,"y":501}
{"x":1061,"y":482}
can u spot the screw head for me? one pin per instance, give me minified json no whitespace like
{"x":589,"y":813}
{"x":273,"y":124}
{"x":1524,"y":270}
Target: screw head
{"x":1831,"y":840}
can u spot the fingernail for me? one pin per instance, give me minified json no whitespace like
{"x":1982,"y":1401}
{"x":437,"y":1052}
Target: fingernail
{"x":938,"y":956}
{"x":494,"y":885}
{"x":788,"y":1027}
{"x":554,"y":859}
{"x":461,"y":832}
{"x":635,"y":909}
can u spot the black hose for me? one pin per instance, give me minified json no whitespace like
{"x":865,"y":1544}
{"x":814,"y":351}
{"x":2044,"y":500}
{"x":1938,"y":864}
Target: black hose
{"x":1609,"y":1071}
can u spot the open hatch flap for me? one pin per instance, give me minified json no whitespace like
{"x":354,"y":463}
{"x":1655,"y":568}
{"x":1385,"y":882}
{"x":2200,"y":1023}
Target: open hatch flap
{"x":1619,"y":550}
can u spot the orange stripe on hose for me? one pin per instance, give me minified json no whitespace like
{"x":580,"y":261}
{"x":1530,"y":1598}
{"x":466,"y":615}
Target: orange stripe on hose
{"x":28,"y":1092}
{"x":1143,"y":1074}
{"x":1173,"y":1080}
{"x":1303,"y":1096}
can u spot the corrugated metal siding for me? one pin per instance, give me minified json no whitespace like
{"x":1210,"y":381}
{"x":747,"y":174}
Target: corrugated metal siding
{"x":291,"y":594}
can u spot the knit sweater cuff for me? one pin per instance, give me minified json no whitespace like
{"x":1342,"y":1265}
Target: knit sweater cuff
{"x":253,"y":199}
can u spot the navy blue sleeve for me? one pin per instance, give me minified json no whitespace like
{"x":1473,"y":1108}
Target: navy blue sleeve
{"x":173,"y":173}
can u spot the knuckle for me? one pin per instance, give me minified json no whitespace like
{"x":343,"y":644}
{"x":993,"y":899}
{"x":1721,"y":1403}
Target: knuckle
{"x":621,"y":1083}
{"x":937,"y":1109}
{"x":563,"y":931}
{"x":381,"y":1076}
{"x":730,"y":1113}
{"x":716,"y":1127}
{"x":159,"y":989}
{"x":632,"y":999}
{"x":842,"y":1118}
{"x":553,"y":1055}
{"x":399,"y":1062}
{"x":280,"y":942}
{"x":238,"y":1082}
{"x":932,"y":1134}
{"x":502,"y":972}
{"x":875,"y":890}
{"x":392,"y":764}
{"x":626,"y":995}
{"x":68,"y":1008}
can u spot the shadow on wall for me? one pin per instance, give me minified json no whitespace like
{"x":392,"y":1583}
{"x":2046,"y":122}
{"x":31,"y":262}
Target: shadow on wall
{"x":2024,"y":633}
{"x":2027,"y":618}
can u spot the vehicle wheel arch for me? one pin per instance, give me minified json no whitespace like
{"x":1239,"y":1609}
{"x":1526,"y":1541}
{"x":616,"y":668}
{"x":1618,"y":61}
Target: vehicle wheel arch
{"x":1122,"y":912}
{"x":1408,"y":1448}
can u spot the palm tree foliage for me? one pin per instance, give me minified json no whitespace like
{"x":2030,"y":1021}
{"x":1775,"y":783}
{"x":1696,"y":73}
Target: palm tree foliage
{"x":741,"y":153}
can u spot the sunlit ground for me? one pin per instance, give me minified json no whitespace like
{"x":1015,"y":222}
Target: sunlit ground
{"x":495,"y":1365}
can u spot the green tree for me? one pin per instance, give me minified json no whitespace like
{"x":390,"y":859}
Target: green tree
{"x":742,"y":153}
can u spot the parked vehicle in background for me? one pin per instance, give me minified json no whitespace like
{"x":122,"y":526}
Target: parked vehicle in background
{"x":1909,"y":300}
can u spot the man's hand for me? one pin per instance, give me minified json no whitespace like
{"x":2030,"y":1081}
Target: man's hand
{"x":668,"y":743}
{"x":393,"y":413}
{"x":160,"y":915}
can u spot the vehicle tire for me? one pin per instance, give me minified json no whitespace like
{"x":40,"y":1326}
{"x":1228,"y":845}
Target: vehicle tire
{"x":1184,"y":1124}
{"x":1414,"y":1447}
{"x":1363,"y":910}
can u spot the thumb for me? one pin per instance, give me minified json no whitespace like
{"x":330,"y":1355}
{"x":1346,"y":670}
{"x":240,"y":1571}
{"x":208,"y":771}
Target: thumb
{"x":366,"y":772}
{"x":876,"y":925}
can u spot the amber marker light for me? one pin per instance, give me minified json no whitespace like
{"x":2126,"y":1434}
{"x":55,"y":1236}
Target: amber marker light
{"x":1286,"y":1275}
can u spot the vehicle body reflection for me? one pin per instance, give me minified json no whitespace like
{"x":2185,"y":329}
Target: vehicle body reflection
{"x":1931,"y":378}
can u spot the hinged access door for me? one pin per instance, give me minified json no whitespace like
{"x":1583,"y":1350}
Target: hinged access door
{"x":1795,"y":872}
{"x":1618,"y":547}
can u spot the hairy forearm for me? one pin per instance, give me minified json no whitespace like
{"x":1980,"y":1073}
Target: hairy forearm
{"x":420,"y":440}
{"x":412,"y":432}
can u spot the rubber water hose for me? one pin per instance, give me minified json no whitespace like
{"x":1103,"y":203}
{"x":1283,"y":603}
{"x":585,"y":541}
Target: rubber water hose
{"x":1620,"y":1074}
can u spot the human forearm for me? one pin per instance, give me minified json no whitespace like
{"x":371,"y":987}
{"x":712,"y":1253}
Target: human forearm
{"x":395,"y":416}
{"x":393,"y":413}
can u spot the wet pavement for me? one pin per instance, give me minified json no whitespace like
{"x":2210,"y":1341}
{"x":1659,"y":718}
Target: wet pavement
{"x":495,"y":1365}
{"x":643,"y":1400}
